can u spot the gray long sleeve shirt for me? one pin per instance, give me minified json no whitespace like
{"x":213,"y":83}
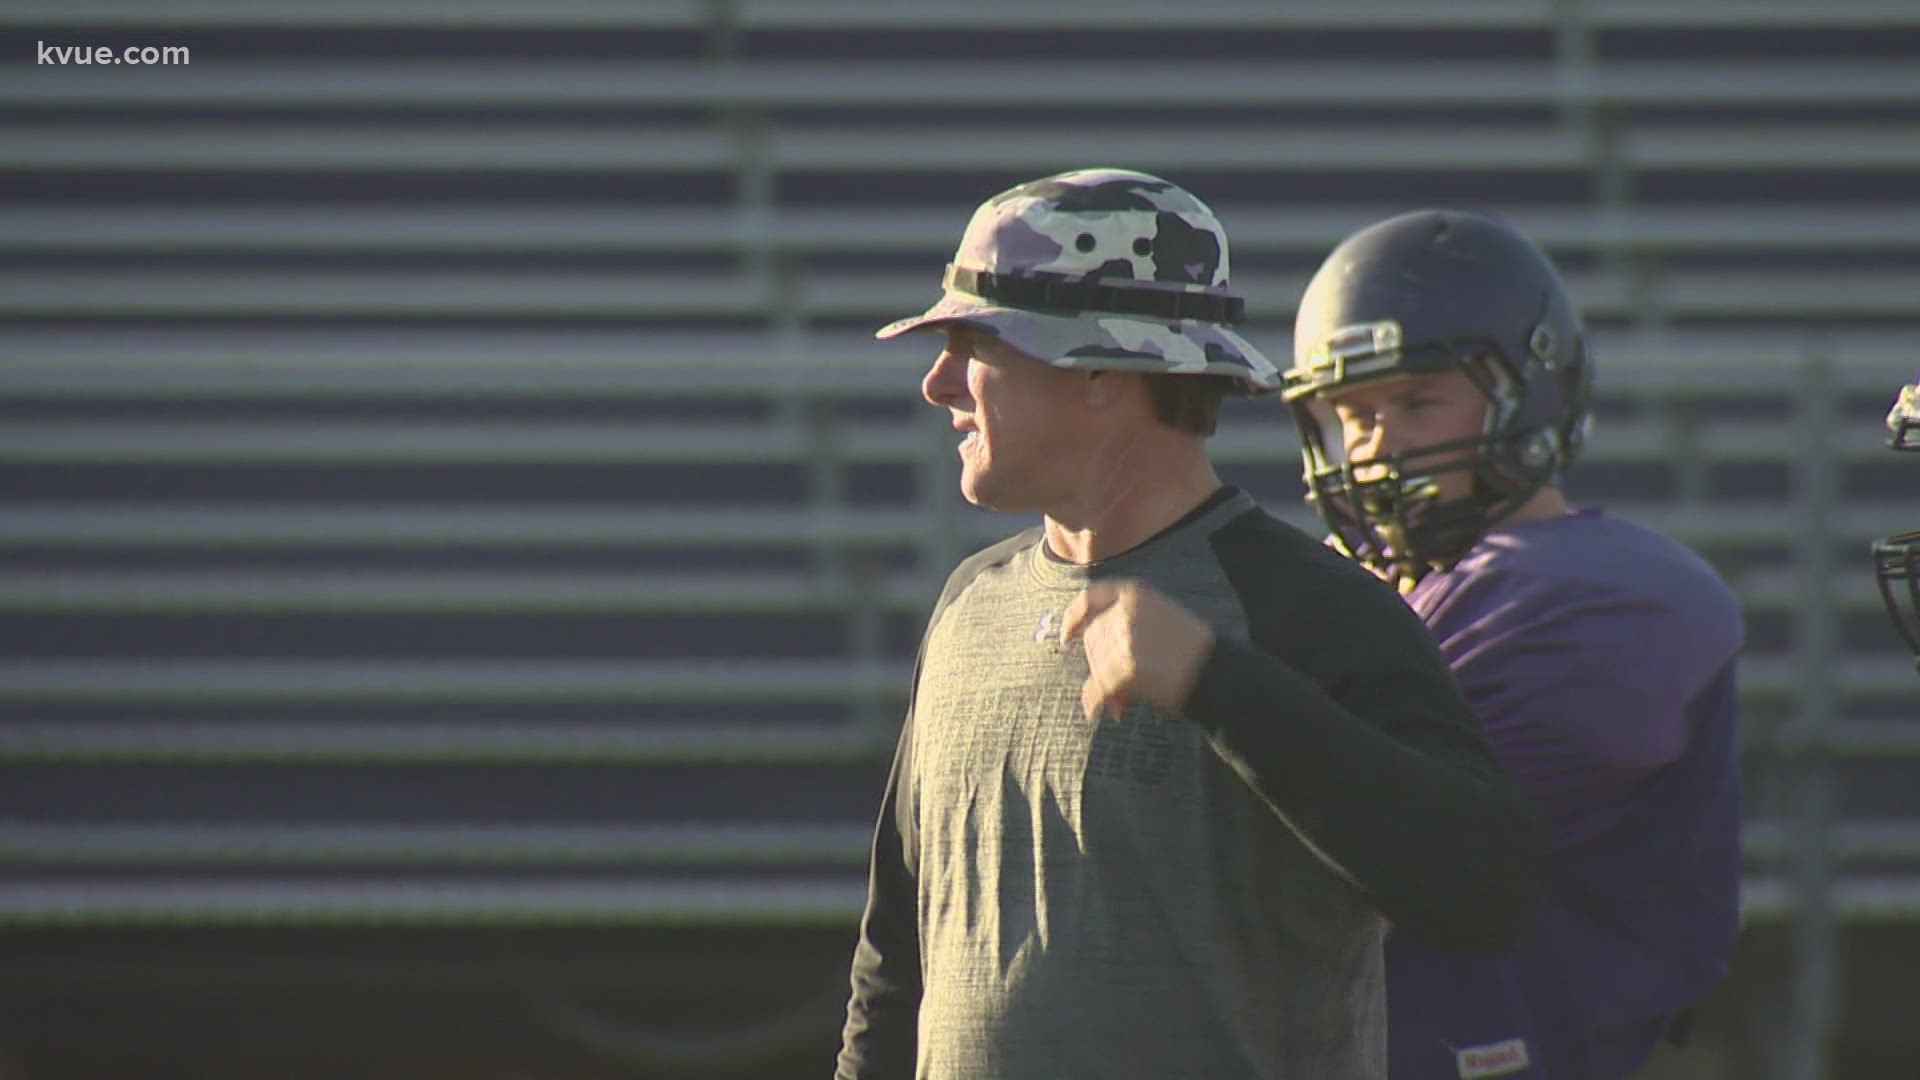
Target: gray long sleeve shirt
{"x":1197,"y":895}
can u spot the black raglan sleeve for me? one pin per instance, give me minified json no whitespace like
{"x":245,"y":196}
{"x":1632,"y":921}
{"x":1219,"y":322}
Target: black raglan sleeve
{"x":1343,"y":716}
{"x":881,"y":1036}
{"x":883,"y":1013}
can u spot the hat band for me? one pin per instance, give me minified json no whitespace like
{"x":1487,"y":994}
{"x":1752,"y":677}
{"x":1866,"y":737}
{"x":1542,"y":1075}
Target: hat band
{"x":1063,"y":292}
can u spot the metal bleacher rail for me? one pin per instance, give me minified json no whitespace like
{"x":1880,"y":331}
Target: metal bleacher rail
{"x":141,"y":334}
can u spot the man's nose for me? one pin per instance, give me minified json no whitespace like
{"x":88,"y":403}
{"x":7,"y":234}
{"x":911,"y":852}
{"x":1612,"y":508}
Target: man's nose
{"x":1383,"y":440}
{"x":944,"y":380}
{"x":1367,"y":445}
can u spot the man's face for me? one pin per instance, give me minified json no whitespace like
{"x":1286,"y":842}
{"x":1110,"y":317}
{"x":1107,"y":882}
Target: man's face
{"x":1021,"y":421}
{"x":1377,"y":420}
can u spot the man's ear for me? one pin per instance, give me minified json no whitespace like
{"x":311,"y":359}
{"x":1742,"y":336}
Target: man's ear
{"x":1101,"y":388}
{"x":1110,"y":391}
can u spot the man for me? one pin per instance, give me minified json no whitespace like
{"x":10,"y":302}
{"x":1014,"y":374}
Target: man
{"x":1896,"y":559}
{"x":1440,"y":388}
{"x":1167,"y":761}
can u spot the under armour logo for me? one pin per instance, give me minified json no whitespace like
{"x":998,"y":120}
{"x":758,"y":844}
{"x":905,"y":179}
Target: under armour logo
{"x":1052,"y":633}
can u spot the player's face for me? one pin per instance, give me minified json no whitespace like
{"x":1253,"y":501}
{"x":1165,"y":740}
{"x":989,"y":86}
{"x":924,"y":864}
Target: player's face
{"x":1018,"y":419}
{"x":1378,"y":420}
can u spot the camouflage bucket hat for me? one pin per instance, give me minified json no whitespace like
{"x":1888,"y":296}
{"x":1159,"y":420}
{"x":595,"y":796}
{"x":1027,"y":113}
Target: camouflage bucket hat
{"x":1102,"y":269}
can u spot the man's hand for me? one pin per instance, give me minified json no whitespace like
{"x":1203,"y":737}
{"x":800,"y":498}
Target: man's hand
{"x":1141,"y":647}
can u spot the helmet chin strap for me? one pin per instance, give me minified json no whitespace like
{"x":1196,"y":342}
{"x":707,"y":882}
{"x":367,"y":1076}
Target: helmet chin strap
{"x":1441,"y":532}
{"x":1395,"y":523}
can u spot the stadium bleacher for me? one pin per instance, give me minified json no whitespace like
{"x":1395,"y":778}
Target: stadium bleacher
{"x":448,"y":480}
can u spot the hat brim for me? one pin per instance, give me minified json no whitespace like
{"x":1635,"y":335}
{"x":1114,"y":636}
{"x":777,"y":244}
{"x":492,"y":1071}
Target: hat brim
{"x":1098,"y":340}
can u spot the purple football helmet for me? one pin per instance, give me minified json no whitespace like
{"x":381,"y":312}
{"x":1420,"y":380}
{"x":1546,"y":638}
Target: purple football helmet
{"x":1423,"y":293}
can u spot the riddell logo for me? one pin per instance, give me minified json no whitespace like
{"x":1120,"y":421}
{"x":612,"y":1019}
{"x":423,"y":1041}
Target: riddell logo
{"x":1496,"y":1059}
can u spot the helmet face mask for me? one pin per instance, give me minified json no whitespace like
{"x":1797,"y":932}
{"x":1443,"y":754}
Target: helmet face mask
{"x":1896,"y":559}
{"x":1389,"y":511}
{"x":1896,"y":565}
{"x":1421,"y":294}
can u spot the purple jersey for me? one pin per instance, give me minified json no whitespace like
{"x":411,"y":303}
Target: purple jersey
{"x":1599,"y":656}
